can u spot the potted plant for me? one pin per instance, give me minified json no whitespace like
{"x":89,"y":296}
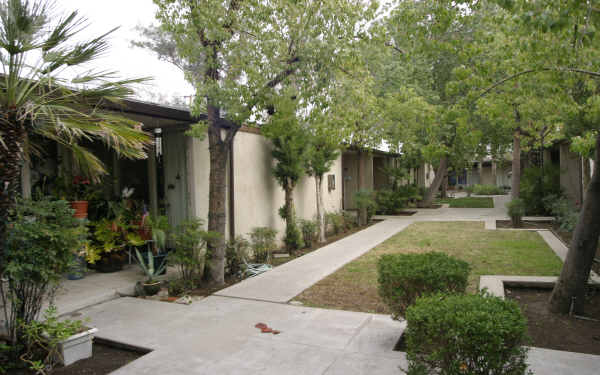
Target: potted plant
{"x":158,"y":226}
{"x":109,"y":242}
{"x":80,"y":188}
{"x":151,"y":285}
{"x":53,"y":340}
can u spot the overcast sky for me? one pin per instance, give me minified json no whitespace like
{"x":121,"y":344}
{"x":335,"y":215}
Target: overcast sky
{"x":104,"y":15}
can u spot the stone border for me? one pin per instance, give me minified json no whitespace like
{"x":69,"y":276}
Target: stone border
{"x":495,"y":283}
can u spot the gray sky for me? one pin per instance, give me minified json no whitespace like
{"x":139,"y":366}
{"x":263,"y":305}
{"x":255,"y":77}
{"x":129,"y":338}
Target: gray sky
{"x":104,"y":15}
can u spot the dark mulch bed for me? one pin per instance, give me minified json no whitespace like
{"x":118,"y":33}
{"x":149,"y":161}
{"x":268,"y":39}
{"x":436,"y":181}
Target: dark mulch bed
{"x":330,"y":238}
{"x":105,"y":359}
{"x":559,"y":332}
{"x":564,"y":236}
{"x":526,"y":224}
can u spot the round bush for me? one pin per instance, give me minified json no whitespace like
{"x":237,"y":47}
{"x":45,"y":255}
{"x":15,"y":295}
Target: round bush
{"x":404,"y":277}
{"x":465,"y":334}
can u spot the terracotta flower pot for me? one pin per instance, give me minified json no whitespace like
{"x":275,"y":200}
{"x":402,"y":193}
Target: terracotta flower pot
{"x":81,"y":209}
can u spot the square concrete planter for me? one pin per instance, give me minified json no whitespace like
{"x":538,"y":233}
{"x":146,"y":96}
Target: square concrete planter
{"x":76,"y":347}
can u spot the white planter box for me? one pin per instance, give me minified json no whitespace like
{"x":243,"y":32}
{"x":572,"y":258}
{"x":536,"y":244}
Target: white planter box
{"x":76,"y":347}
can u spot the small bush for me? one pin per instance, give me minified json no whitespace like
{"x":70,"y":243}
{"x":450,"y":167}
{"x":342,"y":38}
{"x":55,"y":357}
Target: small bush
{"x":336,"y":221}
{"x":41,"y":243}
{"x":566,"y":217}
{"x":487,"y":190}
{"x":469,"y":190}
{"x":404,"y":277}
{"x":389,"y":202}
{"x":465,"y":334}
{"x":350,"y":220}
{"x":177,"y":287}
{"x":263,"y":244}
{"x":236,"y":251}
{"x":536,"y":184}
{"x":310,"y":231}
{"x":189,"y":254}
{"x":365,"y":201}
{"x":516,"y":211}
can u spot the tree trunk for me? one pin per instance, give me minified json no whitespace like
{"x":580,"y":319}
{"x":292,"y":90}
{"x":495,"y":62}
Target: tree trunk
{"x":362,"y":212}
{"x":320,"y":205}
{"x":217,"y":194}
{"x":435,"y":184}
{"x":444,"y":192}
{"x":291,"y":229}
{"x":586,"y":172}
{"x":516,"y":165}
{"x":11,"y":155}
{"x":572,"y":284}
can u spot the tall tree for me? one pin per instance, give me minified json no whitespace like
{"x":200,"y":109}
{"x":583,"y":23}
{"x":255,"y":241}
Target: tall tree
{"x":36,"y":49}
{"x":559,"y":38}
{"x":248,"y":50}
{"x":291,"y":148}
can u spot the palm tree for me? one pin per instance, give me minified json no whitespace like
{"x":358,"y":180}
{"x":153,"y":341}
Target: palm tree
{"x":36,"y":50}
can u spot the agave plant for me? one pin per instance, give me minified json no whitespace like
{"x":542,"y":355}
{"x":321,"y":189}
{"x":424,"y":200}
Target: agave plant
{"x":37,"y":51}
{"x":149,"y":270}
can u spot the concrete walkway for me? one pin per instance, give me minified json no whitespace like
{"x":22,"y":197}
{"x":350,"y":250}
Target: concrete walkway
{"x":288,"y":280}
{"x":217,"y":335}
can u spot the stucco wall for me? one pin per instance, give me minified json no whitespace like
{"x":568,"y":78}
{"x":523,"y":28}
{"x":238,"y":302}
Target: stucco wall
{"x":258,"y":196}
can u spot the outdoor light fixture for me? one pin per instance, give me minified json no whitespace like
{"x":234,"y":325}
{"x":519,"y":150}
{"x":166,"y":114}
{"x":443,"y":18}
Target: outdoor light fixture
{"x":158,"y":141}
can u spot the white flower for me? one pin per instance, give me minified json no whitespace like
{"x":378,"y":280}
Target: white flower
{"x":127,"y":192}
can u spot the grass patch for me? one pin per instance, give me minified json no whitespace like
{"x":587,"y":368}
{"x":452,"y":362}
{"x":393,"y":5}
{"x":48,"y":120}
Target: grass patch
{"x":354,"y":286}
{"x":468,"y":202}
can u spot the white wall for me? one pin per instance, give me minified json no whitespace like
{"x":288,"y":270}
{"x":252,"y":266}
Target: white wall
{"x":258,"y":196}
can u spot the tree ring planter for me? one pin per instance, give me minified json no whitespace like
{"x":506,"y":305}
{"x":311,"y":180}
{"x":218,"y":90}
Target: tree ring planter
{"x":77,"y":347}
{"x":152,"y":288}
{"x":81,"y":209}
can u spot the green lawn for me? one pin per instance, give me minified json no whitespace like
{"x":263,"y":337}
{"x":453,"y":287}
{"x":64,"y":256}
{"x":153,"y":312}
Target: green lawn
{"x":468,"y":202}
{"x":354,"y":286}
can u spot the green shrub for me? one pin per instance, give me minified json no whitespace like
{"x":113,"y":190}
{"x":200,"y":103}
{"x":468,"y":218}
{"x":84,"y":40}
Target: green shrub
{"x":42,"y":339}
{"x":469,"y":190}
{"x":487,"y":190}
{"x":189,"y":254}
{"x":336,"y":221}
{"x":350,"y":220}
{"x":236,"y":251}
{"x":516,"y":211}
{"x":310,"y":231}
{"x":404,"y":277}
{"x":365,"y":202}
{"x":263,"y":244}
{"x":177,"y":287}
{"x":465,"y":334}
{"x":41,"y":243}
{"x":536,"y":184}
{"x":389,"y":202}
{"x":566,"y":216}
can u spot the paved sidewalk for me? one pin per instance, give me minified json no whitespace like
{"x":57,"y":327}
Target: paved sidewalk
{"x":288,"y":280}
{"x":217,"y":336}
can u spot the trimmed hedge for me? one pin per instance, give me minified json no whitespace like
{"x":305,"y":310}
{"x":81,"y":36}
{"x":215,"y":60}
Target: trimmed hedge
{"x":487,"y":190}
{"x":404,"y":277}
{"x":465,"y":334}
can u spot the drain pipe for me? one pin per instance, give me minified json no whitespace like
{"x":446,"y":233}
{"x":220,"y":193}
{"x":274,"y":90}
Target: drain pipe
{"x":231,"y":193}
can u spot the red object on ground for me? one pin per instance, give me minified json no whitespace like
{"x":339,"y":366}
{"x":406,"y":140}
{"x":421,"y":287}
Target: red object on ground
{"x":261,"y":325}
{"x":266,"y":330}
{"x":276,"y":332}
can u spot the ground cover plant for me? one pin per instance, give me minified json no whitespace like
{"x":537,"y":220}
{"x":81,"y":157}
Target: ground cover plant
{"x":354,"y":286}
{"x":468,"y":202}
